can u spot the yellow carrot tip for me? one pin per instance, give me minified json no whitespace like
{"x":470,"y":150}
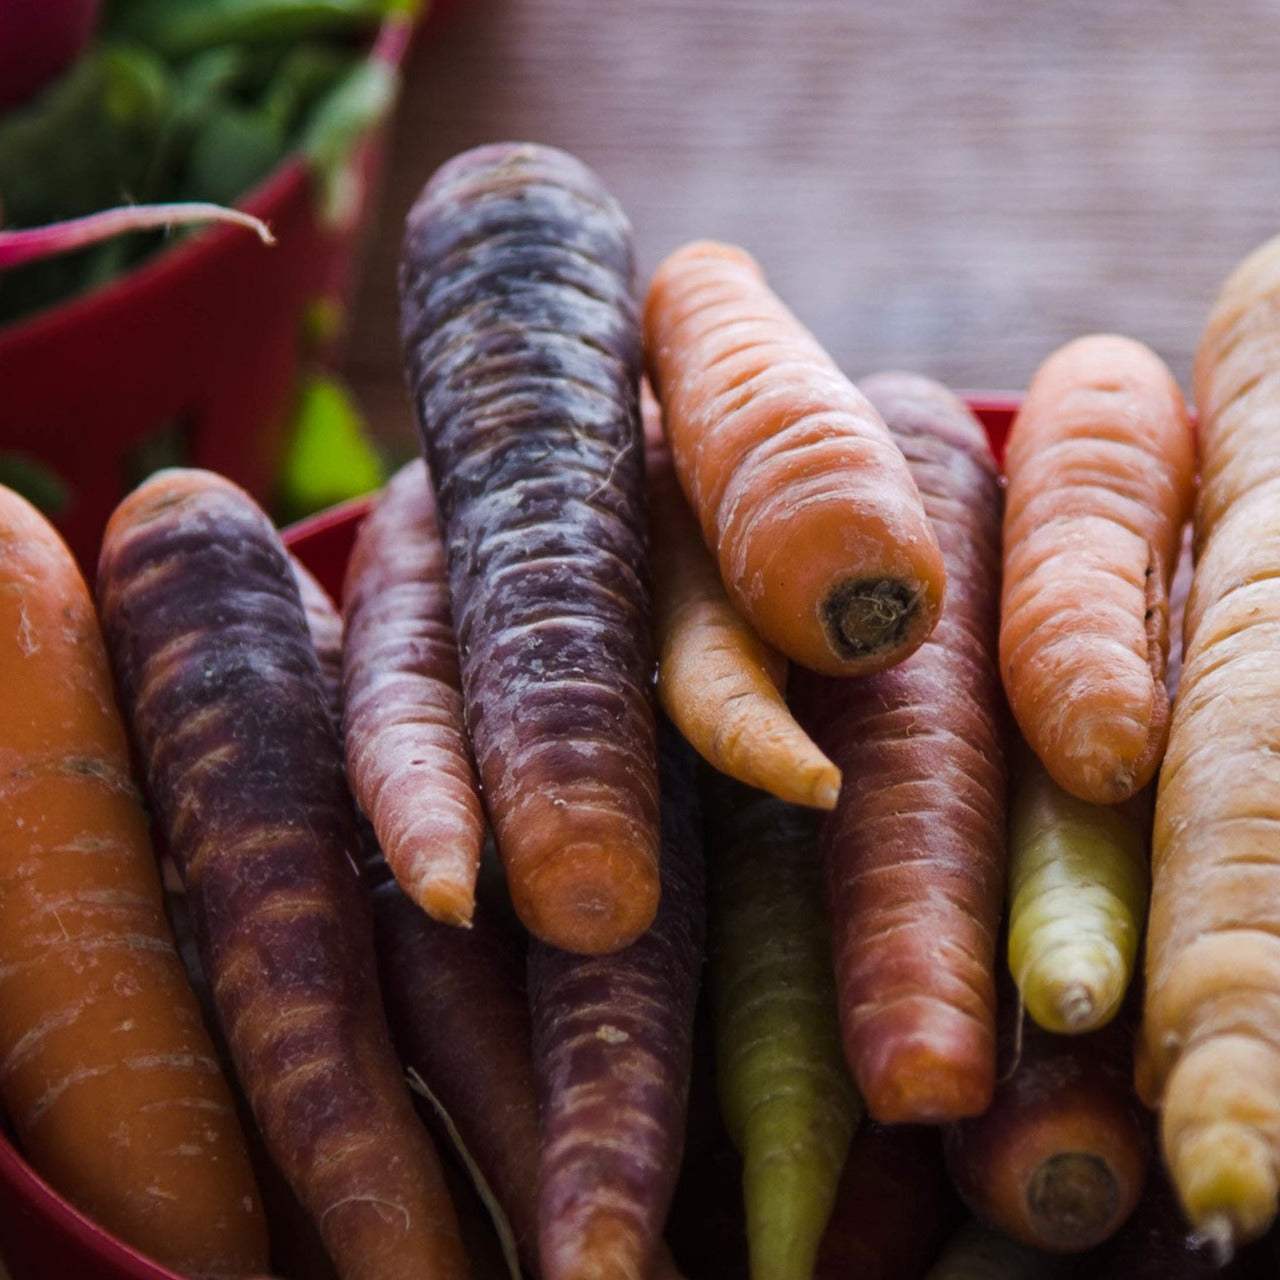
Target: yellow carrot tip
{"x":1227,"y":1183}
{"x":1074,"y":1006}
{"x":1216,"y":1234}
{"x":826,"y":793}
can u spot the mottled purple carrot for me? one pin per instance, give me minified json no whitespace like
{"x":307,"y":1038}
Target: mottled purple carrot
{"x":214,"y":663}
{"x":915,"y":850}
{"x":407,"y":754}
{"x":612,"y":1044}
{"x":523,"y":351}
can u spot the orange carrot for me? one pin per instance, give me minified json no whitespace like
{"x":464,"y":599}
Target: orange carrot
{"x":719,"y":682}
{"x":107,"y":1071}
{"x":802,"y":495}
{"x":1101,"y":468}
{"x":407,"y":753}
{"x":216,"y":667}
{"x":1211,"y":1038}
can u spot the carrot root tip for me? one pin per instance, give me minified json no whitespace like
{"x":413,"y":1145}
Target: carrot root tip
{"x":865,"y":615}
{"x":1076,"y":1007}
{"x":1217,"y":1234}
{"x":825,"y":794}
{"x":1073,"y":1198}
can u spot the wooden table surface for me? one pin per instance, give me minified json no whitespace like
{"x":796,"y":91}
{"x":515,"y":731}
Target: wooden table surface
{"x":949,"y":186}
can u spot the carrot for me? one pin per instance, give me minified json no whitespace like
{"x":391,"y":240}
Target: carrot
{"x":976,"y":1252}
{"x":407,"y":753}
{"x":209,"y":639}
{"x":1101,"y":471}
{"x":109,"y":1076}
{"x":889,"y":1206}
{"x":1211,"y":1036}
{"x":612,"y":1046}
{"x":455,"y":998}
{"x":802,"y":496}
{"x":523,"y":352}
{"x":1078,"y":886}
{"x":719,"y":682}
{"x":1059,"y":1160}
{"x":915,"y":851}
{"x":784,"y":1092}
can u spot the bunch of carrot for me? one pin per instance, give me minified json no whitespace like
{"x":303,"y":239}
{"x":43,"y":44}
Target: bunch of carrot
{"x":936,"y":716}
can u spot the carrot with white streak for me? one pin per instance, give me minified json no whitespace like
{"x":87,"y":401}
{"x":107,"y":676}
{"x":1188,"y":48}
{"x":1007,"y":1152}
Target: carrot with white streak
{"x":407,"y":754}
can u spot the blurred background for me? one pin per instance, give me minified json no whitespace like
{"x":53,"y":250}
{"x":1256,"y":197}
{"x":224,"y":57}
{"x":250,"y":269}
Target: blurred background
{"x":945,"y":185}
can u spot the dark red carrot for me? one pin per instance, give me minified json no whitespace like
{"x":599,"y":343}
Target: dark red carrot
{"x":215,"y":665}
{"x":407,"y":754}
{"x":915,"y":848}
{"x":612,"y":1042}
{"x":455,"y":998}
{"x":1059,"y":1159}
{"x":523,"y":350}
{"x":890,"y":1206}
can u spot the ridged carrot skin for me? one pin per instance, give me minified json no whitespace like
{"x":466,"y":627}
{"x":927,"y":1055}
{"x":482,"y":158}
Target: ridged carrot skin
{"x":977,"y":1252}
{"x":211,"y":650}
{"x":407,"y":754}
{"x":802,"y":495}
{"x":915,"y":850}
{"x":1059,"y":1160}
{"x":108,"y":1077}
{"x":1101,"y":472}
{"x":1211,"y":1037}
{"x":786,"y":1098}
{"x":455,"y":998}
{"x":889,"y":1207}
{"x":612,"y":1046}
{"x":1078,"y":889}
{"x":522,"y":345}
{"x":719,"y":682}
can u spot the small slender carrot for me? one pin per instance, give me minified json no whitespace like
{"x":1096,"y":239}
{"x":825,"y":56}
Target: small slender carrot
{"x":801,"y":494}
{"x":522,"y":345}
{"x":786,"y":1097}
{"x":915,"y":850}
{"x":209,"y":639}
{"x":719,"y":682}
{"x":106,"y":1070}
{"x":1210,"y":1055}
{"x":889,"y":1206}
{"x":1101,"y":471}
{"x":1060,"y":1158}
{"x":977,"y":1252}
{"x":407,"y":754}
{"x":612,"y":1047}
{"x":1078,"y":886}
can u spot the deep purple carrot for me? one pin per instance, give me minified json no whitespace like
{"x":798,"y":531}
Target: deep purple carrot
{"x":407,"y":754}
{"x":612,"y":1044}
{"x":915,"y":848}
{"x":523,"y":352}
{"x":216,"y":668}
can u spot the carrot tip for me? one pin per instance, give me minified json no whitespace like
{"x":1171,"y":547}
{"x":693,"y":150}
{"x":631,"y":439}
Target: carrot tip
{"x":1075,"y":1007}
{"x":446,"y":901}
{"x":1073,"y":1198}
{"x":863,"y":616}
{"x":826,"y":793}
{"x":1217,"y":1233}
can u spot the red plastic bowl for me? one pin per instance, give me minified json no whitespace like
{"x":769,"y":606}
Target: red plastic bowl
{"x":41,"y":1235}
{"x":204,"y":340}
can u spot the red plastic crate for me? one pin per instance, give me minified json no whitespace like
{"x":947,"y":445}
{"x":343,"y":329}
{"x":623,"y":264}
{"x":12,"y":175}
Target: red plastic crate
{"x":41,"y":1235}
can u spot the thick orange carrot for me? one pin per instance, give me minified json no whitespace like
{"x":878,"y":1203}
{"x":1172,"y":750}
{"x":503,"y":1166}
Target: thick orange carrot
{"x":216,"y":667}
{"x":721,"y":685}
{"x":522,"y":348}
{"x":407,"y":753}
{"x":915,"y":850}
{"x":1211,"y":1038}
{"x":1101,"y":472}
{"x":801,"y":492}
{"x":106,"y":1069}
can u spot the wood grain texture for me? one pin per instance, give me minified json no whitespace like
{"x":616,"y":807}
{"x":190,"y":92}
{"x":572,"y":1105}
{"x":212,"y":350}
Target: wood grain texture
{"x":950,"y":186}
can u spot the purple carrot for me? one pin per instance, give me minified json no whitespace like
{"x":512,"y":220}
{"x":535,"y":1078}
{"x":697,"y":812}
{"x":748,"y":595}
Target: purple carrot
{"x":407,"y":754}
{"x":522,"y":345}
{"x":217,"y":671}
{"x":915,"y":849}
{"x":612,"y":1044}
